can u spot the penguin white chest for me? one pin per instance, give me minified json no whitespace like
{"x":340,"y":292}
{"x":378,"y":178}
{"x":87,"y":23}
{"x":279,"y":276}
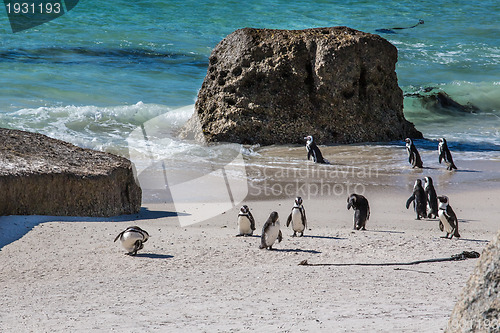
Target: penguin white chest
{"x":272,"y":234}
{"x":297,"y":224}
{"x":245,"y":226}
{"x":129,"y":238}
{"x":447,"y":226}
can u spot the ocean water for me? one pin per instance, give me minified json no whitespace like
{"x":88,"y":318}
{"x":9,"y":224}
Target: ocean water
{"x":111,"y":75}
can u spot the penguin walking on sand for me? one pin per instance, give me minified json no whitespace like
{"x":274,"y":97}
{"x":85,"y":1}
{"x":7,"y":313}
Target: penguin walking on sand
{"x":361,"y":210}
{"x":419,"y":200}
{"x":271,"y":232}
{"x":246,"y":222}
{"x":313,"y":151}
{"x":448,"y":221}
{"x":413,"y":155}
{"x":431,"y":196}
{"x":445,"y":154}
{"x":297,"y":217}
{"x":133,"y":239}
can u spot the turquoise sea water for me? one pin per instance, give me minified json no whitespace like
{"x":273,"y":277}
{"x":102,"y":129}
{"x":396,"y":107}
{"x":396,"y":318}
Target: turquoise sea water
{"x":97,"y":73}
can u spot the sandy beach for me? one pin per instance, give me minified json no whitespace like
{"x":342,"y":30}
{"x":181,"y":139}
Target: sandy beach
{"x":67,"y":275}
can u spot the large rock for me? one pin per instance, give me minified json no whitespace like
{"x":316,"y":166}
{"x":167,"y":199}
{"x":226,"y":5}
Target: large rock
{"x":43,"y":176}
{"x":478,"y":309}
{"x":276,"y":86}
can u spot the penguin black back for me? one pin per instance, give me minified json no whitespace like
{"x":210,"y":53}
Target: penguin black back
{"x":419,"y":200}
{"x":431,"y":196}
{"x":361,"y":210}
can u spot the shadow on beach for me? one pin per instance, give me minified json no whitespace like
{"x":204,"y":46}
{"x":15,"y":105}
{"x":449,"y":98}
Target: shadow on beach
{"x":297,"y":251}
{"x":154,"y":255}
{"x":14,"y":227}
{"x":324,"y":237}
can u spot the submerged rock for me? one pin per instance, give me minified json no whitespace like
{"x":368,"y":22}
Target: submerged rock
{"x":44,"y":176}
{"x":478,"y":309}
{"x":276,"y":86}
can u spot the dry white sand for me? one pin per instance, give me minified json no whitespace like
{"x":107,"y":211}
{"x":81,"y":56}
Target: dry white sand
{"x":67,"y":275}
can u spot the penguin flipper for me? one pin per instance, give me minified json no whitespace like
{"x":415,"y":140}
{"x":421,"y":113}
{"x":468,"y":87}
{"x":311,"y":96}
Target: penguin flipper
{"x":252,"y":220}
{"x":441,"y":226}
{"x":289,"y":219}
{"x":304,"y":218}
{"x":280,"y":237}
{"x":119,"y":235}
{"x":409,"y":201}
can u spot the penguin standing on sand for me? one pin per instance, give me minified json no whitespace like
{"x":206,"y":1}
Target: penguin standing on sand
{"x":445,"y":154}
{"x":413,"y":155}
{"x":298,"y":218}
{"x":246,"y":222}
{"x":133,"y":239}
{"x":448,"y":221}
{"x":432,"y":201}
{"x":313,"y":151}
{"x":271,"y":232}
{"x":361,"y":210}
{"x":419,"y":200}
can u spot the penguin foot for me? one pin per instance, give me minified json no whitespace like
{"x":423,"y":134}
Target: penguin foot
{"x":239,"y":235}
{"x":301,"y":234}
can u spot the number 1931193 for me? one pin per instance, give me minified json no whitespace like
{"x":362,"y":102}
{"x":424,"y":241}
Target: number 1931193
{"x":32,"y":8}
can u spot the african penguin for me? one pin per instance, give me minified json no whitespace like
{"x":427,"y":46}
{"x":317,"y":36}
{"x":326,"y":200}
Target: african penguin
{"x":313,"y":151}
{"x":298,"y":218}
{"x":246,"y":222}
{"x":133,"y":239}
{"x":419,"y":200}
{"x":413,"y":155}
{"x":271,"y":232}
{"x":432,"y":202}
{"x":445,"y":154}
{"x":361,"y":210}
{"x":448,"y":221}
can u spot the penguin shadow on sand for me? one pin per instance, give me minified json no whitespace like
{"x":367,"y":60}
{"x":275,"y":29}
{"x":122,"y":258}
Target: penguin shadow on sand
{"x":153,"y":256}
{"x":296,"y":251}
{"x":325,"y":237}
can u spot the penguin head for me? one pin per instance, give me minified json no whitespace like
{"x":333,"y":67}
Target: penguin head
{"x":351,"y":200}
{"x":408,"y":141}
{"x":418,"y":183}
{"x":244,"y":209}
{"x":443,"y":201}
{"x":274,"y":217}
{"x":298,"y":201}
{"x":309,"y":138}
{"x":442,"y":141}
{"x":428,"y":181}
